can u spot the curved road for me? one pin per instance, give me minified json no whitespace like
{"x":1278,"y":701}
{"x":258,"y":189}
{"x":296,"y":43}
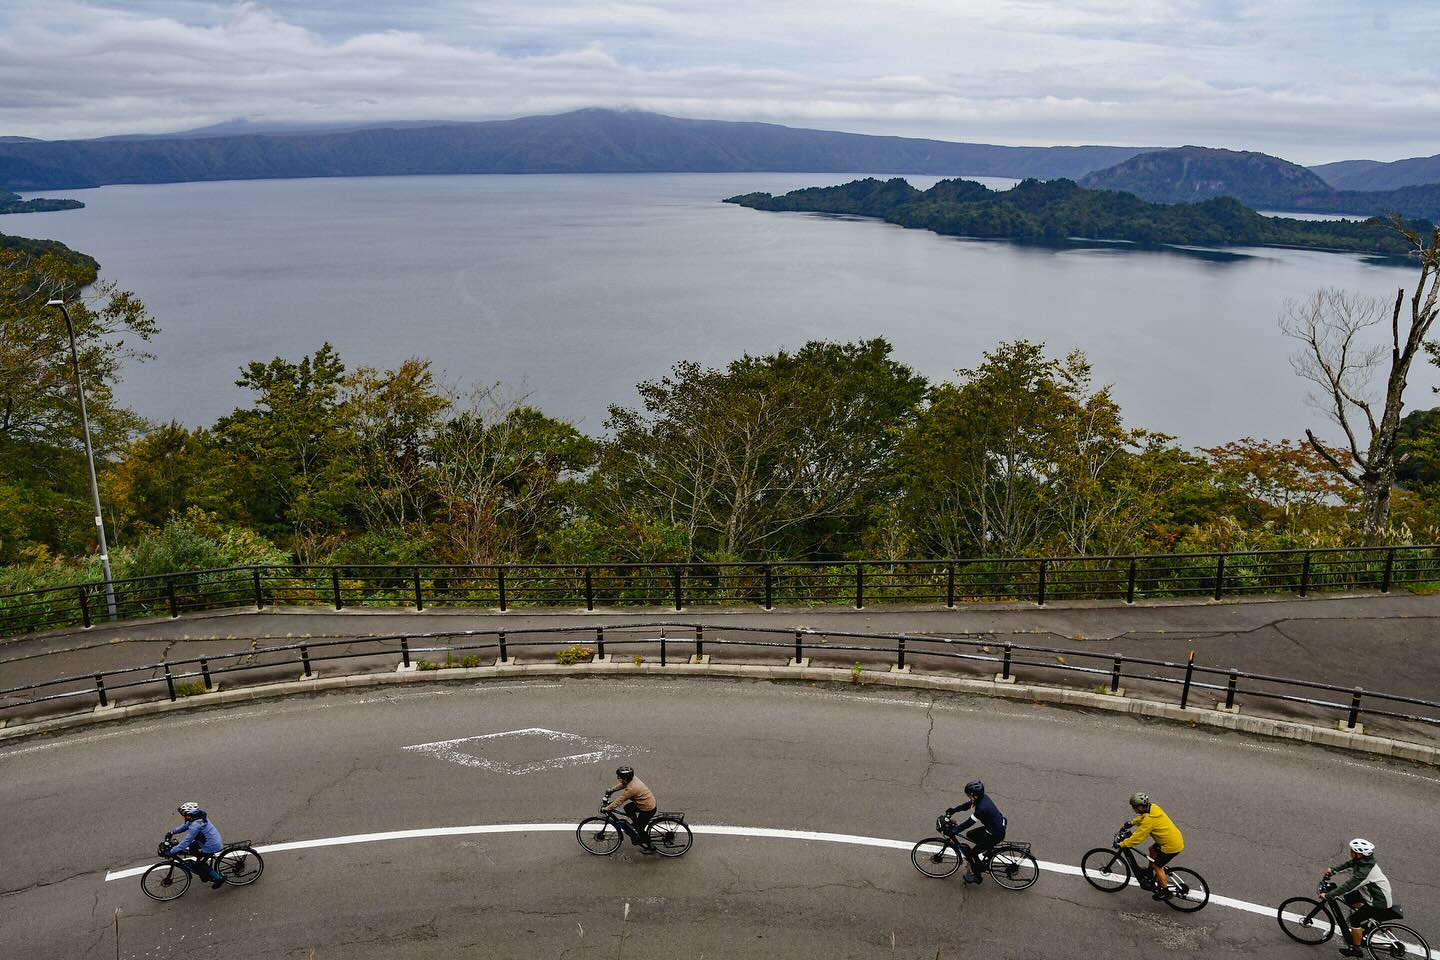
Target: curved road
{"x":1261,"y":820}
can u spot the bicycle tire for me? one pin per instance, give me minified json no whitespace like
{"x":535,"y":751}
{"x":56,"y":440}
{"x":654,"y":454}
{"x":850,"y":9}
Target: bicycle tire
{"x":1194,"y":891}
{"x":599,"y":836}
{"x":164,"y":881}
{"x":1307,"y":922}
{"x":239,"y":865}
{"x":1105,"y":869}
{"x":1403,"y":942}
{"x":936,"y":857}
{"x":670,"y":837}
{"x":1013,"y":869}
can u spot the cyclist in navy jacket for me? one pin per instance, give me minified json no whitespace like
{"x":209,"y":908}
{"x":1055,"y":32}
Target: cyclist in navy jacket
{"x":197,"y":836}
{"x":984,"y":828}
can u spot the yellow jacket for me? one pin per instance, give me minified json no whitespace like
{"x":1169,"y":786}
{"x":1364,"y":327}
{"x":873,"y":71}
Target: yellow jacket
{"x":1156,"y":824}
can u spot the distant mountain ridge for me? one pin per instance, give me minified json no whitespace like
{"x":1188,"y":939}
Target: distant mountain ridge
{"x":1374,"y":175}
{"x":1193,"y":174}
{"x":583,"y":141}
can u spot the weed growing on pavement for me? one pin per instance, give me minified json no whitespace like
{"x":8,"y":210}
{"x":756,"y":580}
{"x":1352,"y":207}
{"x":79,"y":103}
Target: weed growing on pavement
{"x":638,"y":659}
{"x":192,"y":689}
{"x":573,"y":654}
{"x":471,"y":661}
{"x":424,"y":664}
{"x":855,"y":672}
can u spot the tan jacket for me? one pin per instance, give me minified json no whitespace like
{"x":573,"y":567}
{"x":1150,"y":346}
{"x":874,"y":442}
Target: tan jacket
{"x":636,"y":791}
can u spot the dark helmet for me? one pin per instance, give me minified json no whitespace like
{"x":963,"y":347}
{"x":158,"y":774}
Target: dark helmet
{"x":625,"y":773}
{"x":975,"y":788}
{"x":1140,"y":801}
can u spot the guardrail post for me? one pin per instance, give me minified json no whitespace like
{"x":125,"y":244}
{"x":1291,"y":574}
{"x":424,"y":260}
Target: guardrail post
{"x":1189,"y":672}
{"x":335,"y":586}
{"x":205,"y":673}
{"x":84,"y":607}
{"x":1040,"y":594}
{"x":1305,"y":574}
{"x":699,"y":642}
{"x":1219,"y":575}
{"x":950,"y":585}
{"x":859,"y":586}
{"x":769,"y":588}
{"x":589,"y":590}
{"x":900,"y":654}
{"x":1130,"y":583}
{"x":799,"y":653}
{"x":1230,"y":689}
{"x":501,"y":578}
{"x":100,"y":690}
{"x":169,"y":682}
{"x":1389,"y":570}
{"x":1005,"y":665}
{"x":305,"y":658}
{"x":405,"y":652}
{"x":679,"y":597}
{"x":1115,"y":676}
{"x":600,"y":642}
{"x":419,"y":594}
{"x":170,"y":597}
{"x":663,"y":661}
{"x":1354,"y":708}
{"x":503,"y":655}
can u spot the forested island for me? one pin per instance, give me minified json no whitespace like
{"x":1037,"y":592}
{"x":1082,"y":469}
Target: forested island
{"x":1058,"y":211}
{"x":11,"y":203}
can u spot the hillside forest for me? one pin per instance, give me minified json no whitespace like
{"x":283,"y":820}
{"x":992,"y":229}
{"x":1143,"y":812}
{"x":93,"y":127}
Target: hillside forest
{"x":827,"y":451}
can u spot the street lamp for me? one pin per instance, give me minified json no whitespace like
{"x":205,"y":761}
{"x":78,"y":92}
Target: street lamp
{"x":90,"y":459}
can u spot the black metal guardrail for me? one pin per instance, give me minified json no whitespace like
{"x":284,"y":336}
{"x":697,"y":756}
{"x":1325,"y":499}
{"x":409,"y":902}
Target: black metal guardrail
{"x":683,"y":585}
{"x":174,"y":679}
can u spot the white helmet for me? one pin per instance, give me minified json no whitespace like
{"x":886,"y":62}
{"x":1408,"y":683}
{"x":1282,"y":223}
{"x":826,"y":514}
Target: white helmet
{"x":1362,"y":847}
{"x":188,"y":807}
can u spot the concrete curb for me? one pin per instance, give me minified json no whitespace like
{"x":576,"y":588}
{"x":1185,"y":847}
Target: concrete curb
{"x":1008,"y":690}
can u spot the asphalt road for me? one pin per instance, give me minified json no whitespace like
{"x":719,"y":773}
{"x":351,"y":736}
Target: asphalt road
{"x":1261,"y":821}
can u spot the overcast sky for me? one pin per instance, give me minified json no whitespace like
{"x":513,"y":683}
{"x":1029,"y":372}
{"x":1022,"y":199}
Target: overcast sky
{"x":1310,"y":80}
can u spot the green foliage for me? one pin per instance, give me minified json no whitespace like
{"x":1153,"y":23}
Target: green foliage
{"x":573,"y":654}
{"x":470,"y":662}
{"x":423,"y":664}
{"x":1057,"y":210}
{"x":856,"y":671}
{"x":195,"y":541}
{"x":192,"y":689}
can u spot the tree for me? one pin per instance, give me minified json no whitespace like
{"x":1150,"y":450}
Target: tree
{"x":391,"y":417}
{"x":1283,"y":480}
{"x":1331,"y":327}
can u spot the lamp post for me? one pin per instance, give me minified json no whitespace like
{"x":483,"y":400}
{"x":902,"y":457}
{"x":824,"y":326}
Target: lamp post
{"x":89,"y":459}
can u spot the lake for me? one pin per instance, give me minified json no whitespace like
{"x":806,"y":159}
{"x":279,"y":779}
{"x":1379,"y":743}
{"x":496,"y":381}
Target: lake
{"x":571,"y":289}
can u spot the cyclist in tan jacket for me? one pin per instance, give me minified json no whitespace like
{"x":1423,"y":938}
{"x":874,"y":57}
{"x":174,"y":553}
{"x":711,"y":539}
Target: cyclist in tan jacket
{"x":638,"y":801}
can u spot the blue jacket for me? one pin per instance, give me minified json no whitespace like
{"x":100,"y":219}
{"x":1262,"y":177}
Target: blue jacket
{"x":192,"y":830}
{"x":987,"y":813}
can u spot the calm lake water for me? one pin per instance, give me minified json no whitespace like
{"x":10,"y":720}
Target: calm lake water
{"x":573,"y":288}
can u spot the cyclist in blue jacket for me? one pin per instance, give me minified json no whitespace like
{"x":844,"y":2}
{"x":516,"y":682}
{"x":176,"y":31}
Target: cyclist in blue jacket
{"x":197,"y":836}
{"x":984,"y":828}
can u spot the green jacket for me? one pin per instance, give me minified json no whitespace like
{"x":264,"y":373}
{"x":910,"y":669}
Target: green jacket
{"x":1366,"y":881}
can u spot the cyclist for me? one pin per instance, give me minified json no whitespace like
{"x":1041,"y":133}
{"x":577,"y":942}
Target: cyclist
{"x":198,"y":837}
{"x":984,"y":828}
{"x":638,"y":801}
{"x":1367,"y":893}
{"x":1151,"y":821}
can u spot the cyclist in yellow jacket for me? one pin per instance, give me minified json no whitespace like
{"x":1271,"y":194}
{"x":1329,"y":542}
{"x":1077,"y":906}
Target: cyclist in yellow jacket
{"x":1153,"y":822}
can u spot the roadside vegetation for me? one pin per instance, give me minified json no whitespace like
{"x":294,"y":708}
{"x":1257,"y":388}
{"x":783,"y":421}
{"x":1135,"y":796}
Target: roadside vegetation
{"x":832,"y":451}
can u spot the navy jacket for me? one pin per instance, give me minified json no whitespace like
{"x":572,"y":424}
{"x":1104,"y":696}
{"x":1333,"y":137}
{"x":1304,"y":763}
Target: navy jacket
{"x":987,"y":813}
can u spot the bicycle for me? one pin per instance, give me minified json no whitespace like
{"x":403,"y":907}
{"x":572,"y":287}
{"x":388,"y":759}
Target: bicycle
{"x":1111,"y":868}
{"x":1009,"y":862}
{"x":1307,"y":920}
{"x":237,"y":863}
{"x":602,"y":835}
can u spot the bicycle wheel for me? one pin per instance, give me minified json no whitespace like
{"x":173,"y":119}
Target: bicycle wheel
{"x":1105,"y":869}
{"x":670,"y":838}
{"x":1013,"y":869}
{"x":239,"y":865}
{"x":599,"y":836}
{"x":1395,"y":941}
{"x":936,"y":857}
{"x":1305,"y":920}
{"x":1189,"y":891}
{"x":165,"y":881}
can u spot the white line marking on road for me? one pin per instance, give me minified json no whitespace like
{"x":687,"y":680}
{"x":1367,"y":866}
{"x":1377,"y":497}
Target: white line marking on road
{"x":448,"y":750}
{"x":771,"y":833}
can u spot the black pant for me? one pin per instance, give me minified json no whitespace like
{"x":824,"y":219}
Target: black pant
{"x":1364,"y":914}
{"x":981,"y":840}
{"x":639,"y":818}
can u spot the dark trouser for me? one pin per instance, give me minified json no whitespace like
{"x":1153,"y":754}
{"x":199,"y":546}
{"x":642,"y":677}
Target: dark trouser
{"x":640,"y":818}
{"x":981,"y":840}
{"x":203,"y":863}
{"x":1364,"y":914}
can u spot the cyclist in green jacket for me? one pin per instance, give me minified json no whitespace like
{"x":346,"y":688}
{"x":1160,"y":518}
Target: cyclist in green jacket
{"x":1367,"y":892}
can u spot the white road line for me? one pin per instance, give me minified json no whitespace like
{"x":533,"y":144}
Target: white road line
{"x":724,"y":831}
